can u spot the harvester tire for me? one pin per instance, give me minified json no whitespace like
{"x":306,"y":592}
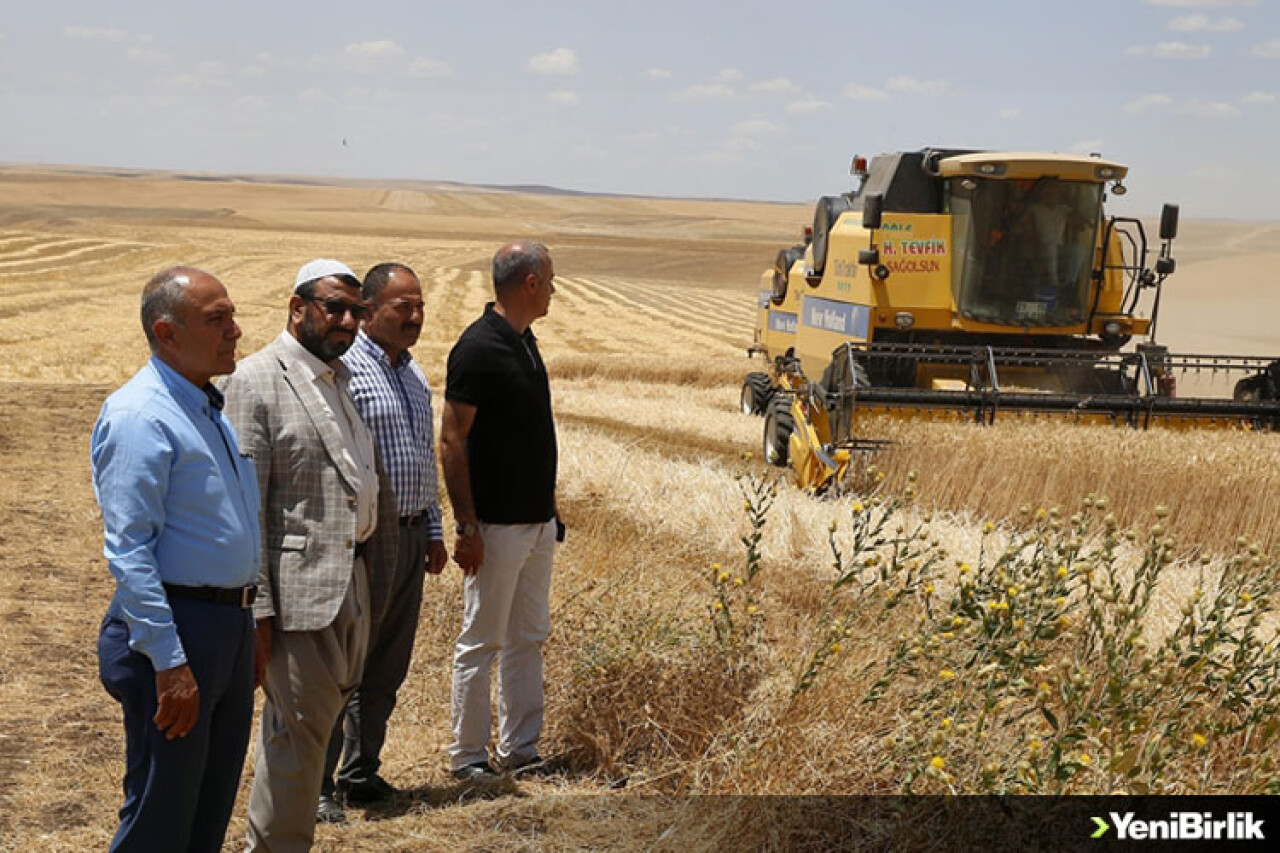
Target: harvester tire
{"x":756,"y":392}
{"x":825,"y":215}
{"x":778,"y":426}
{"x":1261,"y":387}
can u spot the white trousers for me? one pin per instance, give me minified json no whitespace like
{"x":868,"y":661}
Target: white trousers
{"x":507,"y":615}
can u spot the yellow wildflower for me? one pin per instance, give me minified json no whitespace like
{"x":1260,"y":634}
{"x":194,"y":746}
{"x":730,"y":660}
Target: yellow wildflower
{"x":737,"y":581}
{"x":1012,"y":591}
{"x":752,"y":609}
{"x":1246,"y":597}
{"x":836,"y":648}
{"x":928,"y":589}
{"x":724,"y":577}
{"x":964,"y":568}
{"x":1199,"y":740}
{"x":1086,"y":759}
{"x":988,"y":527}
{"x":1062,"y":571}
{"x":717,"y":607}
{"x":857,"y":508}
{"x":938,"y":762}
{"x":946,"y":675}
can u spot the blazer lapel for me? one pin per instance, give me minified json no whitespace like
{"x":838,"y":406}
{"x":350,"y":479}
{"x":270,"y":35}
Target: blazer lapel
{"x":315,"y":407}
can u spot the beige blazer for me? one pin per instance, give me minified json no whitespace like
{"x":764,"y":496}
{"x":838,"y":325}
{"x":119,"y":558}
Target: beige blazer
{"x":308,"y":498}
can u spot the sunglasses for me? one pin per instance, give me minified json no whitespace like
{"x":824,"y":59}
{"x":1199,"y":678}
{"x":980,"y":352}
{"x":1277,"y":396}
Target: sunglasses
{"x":335,"y":307}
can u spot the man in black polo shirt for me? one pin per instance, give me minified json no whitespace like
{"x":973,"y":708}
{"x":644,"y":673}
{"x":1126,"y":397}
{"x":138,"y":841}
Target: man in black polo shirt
{"x":498,"y":449}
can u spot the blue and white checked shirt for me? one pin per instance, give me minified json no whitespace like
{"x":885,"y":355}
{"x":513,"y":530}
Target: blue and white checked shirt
{"x":395,"y":401}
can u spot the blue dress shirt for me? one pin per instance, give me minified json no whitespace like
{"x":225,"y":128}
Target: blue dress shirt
{"x":179,"y":503}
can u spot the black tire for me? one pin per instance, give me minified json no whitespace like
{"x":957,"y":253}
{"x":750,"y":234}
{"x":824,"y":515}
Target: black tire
{"x":1261,"y":387}
{"x":825,"y":215}
{"x":756,"y":392}
{"x":782,"y":271}
{"x":778,"y":426}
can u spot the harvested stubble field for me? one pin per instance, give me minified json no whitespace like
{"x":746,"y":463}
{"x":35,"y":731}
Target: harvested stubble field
{"x":676,"y":665}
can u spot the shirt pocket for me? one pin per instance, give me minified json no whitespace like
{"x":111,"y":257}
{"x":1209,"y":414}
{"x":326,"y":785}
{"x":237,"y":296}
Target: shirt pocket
{"x":290,"y":542}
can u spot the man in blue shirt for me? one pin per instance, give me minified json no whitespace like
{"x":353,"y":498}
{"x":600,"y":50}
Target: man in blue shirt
{"x":180,"y":517}
{"x":394,"y":399}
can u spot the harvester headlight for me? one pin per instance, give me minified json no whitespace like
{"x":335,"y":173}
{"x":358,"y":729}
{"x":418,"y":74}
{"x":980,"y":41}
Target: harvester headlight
{"x":1111,"y":328}
{"x":1105,"y":172}
{"x":968,"y":185}
{"x":904,"y":320}
{"x":991,"y":168}
{"x":1119,"y":188}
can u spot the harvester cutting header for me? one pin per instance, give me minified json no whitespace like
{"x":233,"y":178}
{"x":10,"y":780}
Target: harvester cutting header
{"x":979,"y":282}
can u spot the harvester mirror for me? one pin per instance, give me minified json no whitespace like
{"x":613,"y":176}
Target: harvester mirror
{"x":1169,"y":222}
{"x":872,"y":208}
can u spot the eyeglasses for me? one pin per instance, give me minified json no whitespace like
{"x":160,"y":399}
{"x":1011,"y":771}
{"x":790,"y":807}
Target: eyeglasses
{"x":335,"y":307}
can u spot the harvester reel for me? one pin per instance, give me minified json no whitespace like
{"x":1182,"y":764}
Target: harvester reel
{"x":756,"y":391}
{"x":841,"y":381}
{"x":778,"y":426}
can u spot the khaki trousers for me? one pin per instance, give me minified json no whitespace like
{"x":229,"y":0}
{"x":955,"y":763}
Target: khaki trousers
{"x":310,"y":676}
{"x":507,"y":617}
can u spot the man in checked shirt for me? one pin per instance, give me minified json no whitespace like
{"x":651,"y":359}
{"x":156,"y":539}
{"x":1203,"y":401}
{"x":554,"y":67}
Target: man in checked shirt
{"x":392,"y":395}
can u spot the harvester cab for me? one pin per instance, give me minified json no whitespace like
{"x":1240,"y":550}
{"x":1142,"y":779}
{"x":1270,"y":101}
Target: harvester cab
{"x":980,"y":282}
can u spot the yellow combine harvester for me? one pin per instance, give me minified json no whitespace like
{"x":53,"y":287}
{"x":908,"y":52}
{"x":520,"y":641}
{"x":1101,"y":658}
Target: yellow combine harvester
{"x":981,"y":283}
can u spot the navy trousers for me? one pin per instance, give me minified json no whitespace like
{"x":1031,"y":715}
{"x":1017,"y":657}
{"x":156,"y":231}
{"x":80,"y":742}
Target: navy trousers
{"x":178,"y":794}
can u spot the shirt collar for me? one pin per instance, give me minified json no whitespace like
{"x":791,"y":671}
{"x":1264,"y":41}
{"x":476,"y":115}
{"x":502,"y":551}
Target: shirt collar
{"x":303,"y":357}
{"x":373,"y":349}
{"x":184,"y":390}
{"x":504,"y":328}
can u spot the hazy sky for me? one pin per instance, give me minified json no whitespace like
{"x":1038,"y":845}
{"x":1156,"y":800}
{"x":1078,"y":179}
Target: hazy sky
{"x":746,"y":99}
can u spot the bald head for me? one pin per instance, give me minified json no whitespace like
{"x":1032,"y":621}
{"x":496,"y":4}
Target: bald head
{"x":515,"y":262}
{"x":164,"y":296}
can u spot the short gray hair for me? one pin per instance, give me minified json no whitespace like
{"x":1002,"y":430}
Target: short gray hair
{"x":514,"y":262}
{"x":163,"y":298}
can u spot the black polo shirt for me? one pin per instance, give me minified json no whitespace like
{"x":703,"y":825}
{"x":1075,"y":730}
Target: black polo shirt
{"x":512,"y":444}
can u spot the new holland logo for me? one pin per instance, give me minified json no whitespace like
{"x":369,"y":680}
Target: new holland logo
{"x":1183,"y":826}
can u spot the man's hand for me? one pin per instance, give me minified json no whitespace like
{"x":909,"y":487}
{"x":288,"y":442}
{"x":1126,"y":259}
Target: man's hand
{"x":177,"y":701}
{"x":437,"y":557}
{"x":261,"y":650}
{"x":468,"y":553}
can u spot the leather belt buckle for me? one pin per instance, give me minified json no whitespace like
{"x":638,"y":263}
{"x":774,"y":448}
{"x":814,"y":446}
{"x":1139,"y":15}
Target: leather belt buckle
{"x":247,"y":595}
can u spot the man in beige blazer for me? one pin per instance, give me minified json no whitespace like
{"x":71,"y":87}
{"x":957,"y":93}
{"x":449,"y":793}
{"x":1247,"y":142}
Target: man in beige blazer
{"x":329,"y":527}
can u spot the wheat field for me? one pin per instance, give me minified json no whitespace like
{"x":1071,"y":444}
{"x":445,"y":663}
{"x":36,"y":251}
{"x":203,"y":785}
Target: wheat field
{"x":646,"y":344}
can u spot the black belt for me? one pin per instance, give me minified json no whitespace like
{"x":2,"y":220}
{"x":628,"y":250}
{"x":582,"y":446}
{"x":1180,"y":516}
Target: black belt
{"x":241,"y":596}
{"x":413,"y":520}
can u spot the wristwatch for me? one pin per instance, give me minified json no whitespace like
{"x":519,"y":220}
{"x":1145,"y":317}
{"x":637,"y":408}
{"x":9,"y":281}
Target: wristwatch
{"x":468,"y":530}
